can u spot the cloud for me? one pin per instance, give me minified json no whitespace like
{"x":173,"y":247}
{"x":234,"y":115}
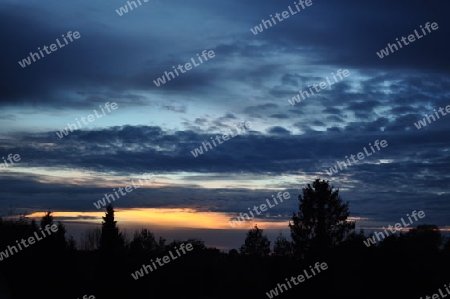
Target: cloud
{"x":280,"y":116}
{"x":251,"y":77}
{"x":278,"y":130}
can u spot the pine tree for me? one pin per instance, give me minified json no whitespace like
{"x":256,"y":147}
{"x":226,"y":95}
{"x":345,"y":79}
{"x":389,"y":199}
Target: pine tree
{"x":111,"y":239}
{"x":321,"y":222}
{"x":282,"y":246}
{"x":256,"y":243}
{"x":58,"y":238}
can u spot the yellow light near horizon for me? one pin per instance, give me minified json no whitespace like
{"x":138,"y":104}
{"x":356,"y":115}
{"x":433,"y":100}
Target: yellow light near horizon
{"x":173,"y":218}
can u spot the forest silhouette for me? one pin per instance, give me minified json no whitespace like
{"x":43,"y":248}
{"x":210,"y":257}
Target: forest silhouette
{"x":403,"y":265}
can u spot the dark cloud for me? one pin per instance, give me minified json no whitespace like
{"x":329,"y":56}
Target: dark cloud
{"x":280,"y":116}
{"x":278,"y":131}
{"x":260,"y":108}
{"x":251,"y":78}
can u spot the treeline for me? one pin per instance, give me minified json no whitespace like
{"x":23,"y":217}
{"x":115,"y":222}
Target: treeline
{"x":403,"y":265}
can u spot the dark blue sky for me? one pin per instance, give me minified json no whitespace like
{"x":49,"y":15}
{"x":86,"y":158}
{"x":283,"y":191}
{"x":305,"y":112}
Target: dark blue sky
{"x":251,"y":78}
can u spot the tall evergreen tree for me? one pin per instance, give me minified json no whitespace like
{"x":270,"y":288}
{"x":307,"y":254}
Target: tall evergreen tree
{"x":57,"y":238}
{"x":321,"y":222}
{"x":111,"y":239}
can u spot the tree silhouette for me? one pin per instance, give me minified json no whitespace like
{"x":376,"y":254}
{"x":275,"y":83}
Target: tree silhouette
{"x":256,"y":243}
{"x":111,"y":239}
{"x":58,"y":238}
{"x":425,"y":237}
{"x":71,"y":244}
{"x":144,"y":241}
{"x":90,"y":239}
{"x":321,"y":222}
{"x":47,"y":219}
{"x":197,"y":244}
{"x":282,"y":247}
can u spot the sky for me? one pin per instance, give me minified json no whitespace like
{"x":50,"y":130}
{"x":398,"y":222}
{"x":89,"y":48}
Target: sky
{"x":250,"y":78}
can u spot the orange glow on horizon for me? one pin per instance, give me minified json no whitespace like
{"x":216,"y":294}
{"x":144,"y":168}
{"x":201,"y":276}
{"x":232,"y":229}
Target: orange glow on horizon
{"x":169,"y":218}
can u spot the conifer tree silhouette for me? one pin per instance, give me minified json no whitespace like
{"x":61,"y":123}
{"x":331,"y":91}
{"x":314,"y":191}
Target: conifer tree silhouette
{"x":58,"y":238}
{"x":282,"y":247}
{"x":321,"y":222}
{"x":111,"y":239}
{"x":256,"y":243}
